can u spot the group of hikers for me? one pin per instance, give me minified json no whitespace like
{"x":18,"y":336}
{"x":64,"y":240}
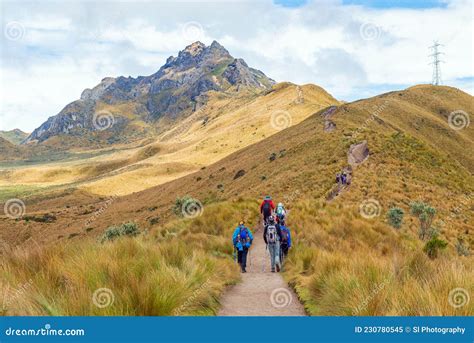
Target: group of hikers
{"x":344,"y":177}
{"x":276,"y":235}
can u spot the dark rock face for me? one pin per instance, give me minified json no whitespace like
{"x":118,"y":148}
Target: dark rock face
{"x":76,"y":115}
{"x":177,"y":88}
{"x":358,"y":153}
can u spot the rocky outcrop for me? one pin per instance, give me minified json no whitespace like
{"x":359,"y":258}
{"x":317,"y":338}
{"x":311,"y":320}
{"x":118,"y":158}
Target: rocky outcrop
{"x":177,"y":88}
{"x":76,"y":115}
{"x":358,"y":153}
{"x":238,"y":72}
{"x":97,"y":91}
{"x":329,"y":125}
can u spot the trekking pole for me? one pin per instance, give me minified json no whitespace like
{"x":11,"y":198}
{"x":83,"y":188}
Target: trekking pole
{"x":263,"y":263}
{"x":249,"y":258}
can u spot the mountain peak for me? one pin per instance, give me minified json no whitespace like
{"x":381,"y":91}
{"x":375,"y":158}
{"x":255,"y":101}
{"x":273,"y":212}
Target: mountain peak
{"x":176,"y":89}
{"x":195,"y":48}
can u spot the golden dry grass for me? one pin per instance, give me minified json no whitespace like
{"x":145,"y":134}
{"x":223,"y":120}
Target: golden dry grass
{"x":177,"y":269}
{"x":226,"y":124}
{"x":342,"y":264}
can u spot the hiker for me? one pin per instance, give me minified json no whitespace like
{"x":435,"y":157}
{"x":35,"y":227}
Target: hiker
{"x":242,"y":240}
{"x":272,"y":238}
{"x":338,"y":177}
{"x":344,"y":178}
{"x":285,"y":243}
{"x":348,"y":177}
{"x":266,"y":208}
{"x":280,"y":212}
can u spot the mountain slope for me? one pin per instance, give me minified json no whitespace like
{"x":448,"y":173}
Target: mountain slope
{"x":300,"y":163}
{"x":228,"y":122}
{"x":7,"y":148}
{"x":119,"y":110}
{"x":15,"y":136}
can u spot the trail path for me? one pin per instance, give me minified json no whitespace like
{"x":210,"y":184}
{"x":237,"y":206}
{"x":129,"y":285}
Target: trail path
{"x":261,"y":292}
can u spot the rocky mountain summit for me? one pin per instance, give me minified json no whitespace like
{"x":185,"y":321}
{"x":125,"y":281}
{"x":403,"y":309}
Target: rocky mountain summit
{"x":176,"y":89}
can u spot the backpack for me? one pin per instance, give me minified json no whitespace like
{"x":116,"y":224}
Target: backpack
{"x":280,"y":211}
{"x":271,"y":234}
{"x":243,"y":236}
{"x":285,"y":235}
{"x":267,"y":208}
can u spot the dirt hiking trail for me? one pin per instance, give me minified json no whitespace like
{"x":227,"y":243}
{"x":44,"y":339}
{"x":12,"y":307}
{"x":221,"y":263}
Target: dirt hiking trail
{"x":261,"y":292}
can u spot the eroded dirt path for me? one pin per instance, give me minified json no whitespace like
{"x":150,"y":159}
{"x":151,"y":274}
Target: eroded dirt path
{"x":261,"y":292}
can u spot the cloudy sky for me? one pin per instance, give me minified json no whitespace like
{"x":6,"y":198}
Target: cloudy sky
{"x":51,"y":51}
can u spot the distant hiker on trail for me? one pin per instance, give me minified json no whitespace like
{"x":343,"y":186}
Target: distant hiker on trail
{"x":280,"y":212}
{"x":242,"y":240}
{"x":266,"y":208}
{"x":285,"y":243}
{"x":272,"y":237}
{"x":344,"y":178}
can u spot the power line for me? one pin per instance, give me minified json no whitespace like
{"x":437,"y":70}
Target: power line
{"x":436,"y":78}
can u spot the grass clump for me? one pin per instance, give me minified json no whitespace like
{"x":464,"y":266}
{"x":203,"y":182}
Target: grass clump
{"x":461,"y":248}
{"x":395,"y":217}
{"x":184,"y":204}
{"x":434,"y":246}
{"x":114,"y":232}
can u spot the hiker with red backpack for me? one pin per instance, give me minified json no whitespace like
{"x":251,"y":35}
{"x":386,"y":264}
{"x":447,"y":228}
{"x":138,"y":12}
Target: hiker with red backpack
{"x":266,"y":208}
{"x":242,"y":240}
{"x":285,"y":243}
{"x":272,"y":237}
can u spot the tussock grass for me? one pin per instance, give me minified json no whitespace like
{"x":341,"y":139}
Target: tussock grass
{"x":347,"y":265}
{"x":178,"y":269}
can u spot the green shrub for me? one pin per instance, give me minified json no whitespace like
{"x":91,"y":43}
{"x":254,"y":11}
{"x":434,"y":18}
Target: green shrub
{"x":462,"y":249}
{"x":395,"y":217}
{"x":433,"y":246}
{"x":113,"y":232}
{"x":425,"y":214}
{"x":180,"y":203}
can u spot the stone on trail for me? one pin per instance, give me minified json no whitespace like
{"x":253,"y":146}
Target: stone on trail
{"x":358,"y":153}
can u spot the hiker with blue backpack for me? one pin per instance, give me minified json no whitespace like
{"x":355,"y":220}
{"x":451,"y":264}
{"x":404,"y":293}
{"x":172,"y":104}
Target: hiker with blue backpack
{"x":285,"y":243}
{"x":242,"y":240}
{"x":272,"y":237}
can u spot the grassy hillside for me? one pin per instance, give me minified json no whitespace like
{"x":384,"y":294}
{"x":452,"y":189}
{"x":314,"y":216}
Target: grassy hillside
{"x":178,"y":269}
{"x":343,"y":263}
{"x":15,"y":136}
{"x":229,"y":122}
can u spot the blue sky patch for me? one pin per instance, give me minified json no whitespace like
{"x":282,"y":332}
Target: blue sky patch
{"x":397,"y":3}
{"x":290,"y":3}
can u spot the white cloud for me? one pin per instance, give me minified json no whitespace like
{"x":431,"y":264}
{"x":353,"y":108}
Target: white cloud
{"x":68,"y":46}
